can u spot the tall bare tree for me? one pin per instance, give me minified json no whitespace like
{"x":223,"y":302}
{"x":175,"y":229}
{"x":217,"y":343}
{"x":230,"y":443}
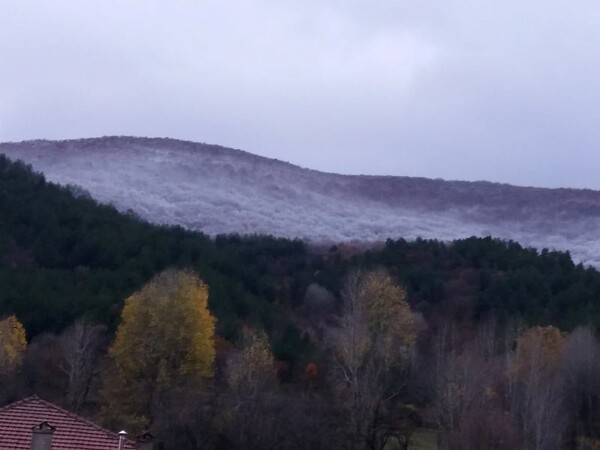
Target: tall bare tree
{"x":467,"y":383}
{"x":581,"y":371}
{"x":80,"y":347}
{"x":539,"y":393}
{"x":371,"y":348}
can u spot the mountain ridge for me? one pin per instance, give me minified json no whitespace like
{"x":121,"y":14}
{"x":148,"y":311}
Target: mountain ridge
{"x":217,"y":190}
{"x":157,"y":139}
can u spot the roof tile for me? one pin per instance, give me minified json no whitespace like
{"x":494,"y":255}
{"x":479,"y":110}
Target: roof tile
{"x":72,"y":432}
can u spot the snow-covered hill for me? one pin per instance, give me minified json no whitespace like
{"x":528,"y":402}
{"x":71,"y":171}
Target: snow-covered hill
{"x":221,"y":190}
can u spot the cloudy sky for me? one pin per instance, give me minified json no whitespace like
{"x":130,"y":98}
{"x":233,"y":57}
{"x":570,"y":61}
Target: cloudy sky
{"x":469,"y":89}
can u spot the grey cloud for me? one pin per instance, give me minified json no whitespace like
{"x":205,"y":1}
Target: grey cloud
{"x":504,"y":91}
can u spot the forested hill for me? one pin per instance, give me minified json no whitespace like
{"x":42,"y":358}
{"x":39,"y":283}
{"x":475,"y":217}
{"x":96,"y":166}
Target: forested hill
{"x":63,"y":255}
{"x":220,"y":190}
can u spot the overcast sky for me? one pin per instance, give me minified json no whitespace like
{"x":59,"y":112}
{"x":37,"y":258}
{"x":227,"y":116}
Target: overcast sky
{"x":502,"y":90}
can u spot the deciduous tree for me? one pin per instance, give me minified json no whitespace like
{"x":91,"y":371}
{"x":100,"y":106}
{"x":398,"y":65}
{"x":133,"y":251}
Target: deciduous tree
{"x":13,"y":343}
{"x":539,"y":393}
{"x":165,"y":338}
{"x":371,"y":348}
{"x":253,"y":418}
{"x":80,"y":347}
{"x":468,"y":390}
{"x":581,"y":373}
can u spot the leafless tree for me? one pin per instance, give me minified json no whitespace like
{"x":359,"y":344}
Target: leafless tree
{"x":581,"y":372}
{"x":539,"y":395}
{"x":41,"y":373}
{"x":80,"y":347}
{"x":468,"y":382}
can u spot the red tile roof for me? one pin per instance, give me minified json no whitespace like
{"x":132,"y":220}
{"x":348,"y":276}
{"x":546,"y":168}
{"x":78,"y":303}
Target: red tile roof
{"x":72,"y":432}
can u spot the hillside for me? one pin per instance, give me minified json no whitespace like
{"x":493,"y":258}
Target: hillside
{"x":219,"y":190}
{"x":63,"y":255}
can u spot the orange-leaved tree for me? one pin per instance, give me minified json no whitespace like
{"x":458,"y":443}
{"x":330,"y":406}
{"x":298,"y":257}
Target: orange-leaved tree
{"x":165,"y":340}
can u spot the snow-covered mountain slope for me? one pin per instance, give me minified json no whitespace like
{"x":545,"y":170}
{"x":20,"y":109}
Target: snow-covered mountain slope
{"x":221,"y":190}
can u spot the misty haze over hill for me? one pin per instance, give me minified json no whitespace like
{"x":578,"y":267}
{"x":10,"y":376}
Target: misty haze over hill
{"x":220,"y":190}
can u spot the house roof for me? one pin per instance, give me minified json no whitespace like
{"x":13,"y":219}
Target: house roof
{"x":71,"y":431}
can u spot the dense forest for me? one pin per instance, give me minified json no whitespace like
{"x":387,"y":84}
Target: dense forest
{"x":464,"y":339}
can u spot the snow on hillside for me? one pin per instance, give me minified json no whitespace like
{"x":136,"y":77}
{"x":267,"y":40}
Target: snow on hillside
{"x":220,"y":190}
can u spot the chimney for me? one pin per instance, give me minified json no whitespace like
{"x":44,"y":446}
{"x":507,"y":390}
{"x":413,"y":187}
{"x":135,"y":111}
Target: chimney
{"x":41,"y":437}
{"x":144,"y":441}
{"x":122,"y":439}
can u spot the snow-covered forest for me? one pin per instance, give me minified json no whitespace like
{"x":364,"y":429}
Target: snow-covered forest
{"x":219,"y":190}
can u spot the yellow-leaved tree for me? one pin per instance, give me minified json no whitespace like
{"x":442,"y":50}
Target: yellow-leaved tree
{"x":165,"y":340}
{"x":251,"y":399}
{"x":371,"y":349}
{"x":12,"y":345}
{"x":539,"y":350}
{"x":253,"y":366}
